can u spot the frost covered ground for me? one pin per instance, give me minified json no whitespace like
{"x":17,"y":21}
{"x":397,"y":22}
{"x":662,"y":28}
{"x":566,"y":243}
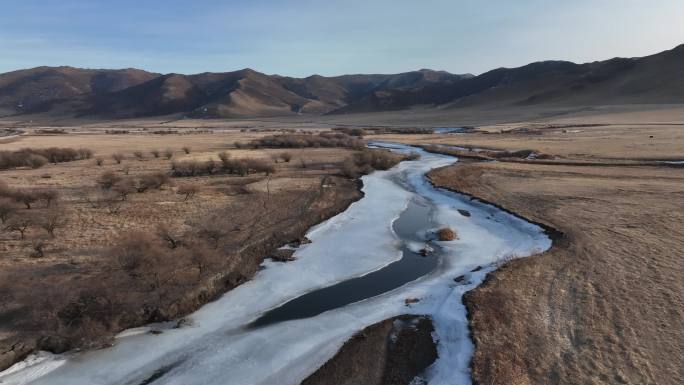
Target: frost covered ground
{"x":216,"y":347}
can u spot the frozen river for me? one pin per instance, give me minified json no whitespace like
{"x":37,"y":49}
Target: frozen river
{"x":221,"y":343}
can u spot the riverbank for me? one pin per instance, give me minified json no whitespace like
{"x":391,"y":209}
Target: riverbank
{"x":604,"y":305}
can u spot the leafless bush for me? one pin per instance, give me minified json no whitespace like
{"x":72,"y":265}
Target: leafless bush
{"x":51,"y":220}
{"x":134,"y":252}
{"x":358,"y":132}
{"x":186,"y":150}
{"x":169,"y":237}
{"x":50,"y":196}
{"x":138,"y":155}
{"x":202,"y":257}
{"x":85,"y":153}
{"x":154,"y":180}
{"x":20,"y":224}
{"x":38,"y":157}
{"x":212,"y":230}
{"x":155,"y":153}
{"x":99,"y":161}
{"x":188,"y":191}
{"x":37,"y":249}
{"x":26,"y":197}
{"x":364,"y":162}
{"x":7,"y":209}
{"x":124,"y":187}
{"x":286,"y":157}
{"x":168,"y":153}
{"x":118,"y":157}
{"x":108,"y":179}
{"x":111,"y":202}
{"x":324,"y":139}
{"x":36,"y":161}
{"x":446,"y":234}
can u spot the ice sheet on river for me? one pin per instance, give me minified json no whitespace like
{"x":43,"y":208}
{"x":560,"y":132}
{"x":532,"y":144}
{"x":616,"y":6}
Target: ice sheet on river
{"x":217,"y":349}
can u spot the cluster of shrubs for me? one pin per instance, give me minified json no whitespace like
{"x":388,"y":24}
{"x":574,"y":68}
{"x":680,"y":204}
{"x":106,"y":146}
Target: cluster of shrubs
{"x":225,"y":165}
{"x":352,"y":131}
{"x":12,"y":221}
{"x":366,"y":161}
{"x":39,"y":157}
{"x":125,"y":185}
{"x":323,"y":139}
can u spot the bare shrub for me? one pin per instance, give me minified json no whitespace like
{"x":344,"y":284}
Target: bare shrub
{"x":364,"y":162}
{"x":154,"y":180}
{"x":169,"y":237}
{"x":168,"y":153}
{"x":323,"y":139}
{"x":124,"y":187}
{"x":26,"y":197}
{"x":37,"y":249}
{"x":7,"y":209}
{"x":20,"y":224}
{"x":260,"y":165}
{"x":155,"y":153}
{"x":85,"y":153}
{"x":135,"y":252}
{"x":52,"y":220}
{"x":38,"y":157}
{"x":186,"y":149}
{"x":50,"y":196}
{"x":286,"y":157}
{"x":118,"y":157}
{"x":446,"y":234}
{"x":111,"y":202}
{"x":138,"y":155}
{"x":36,"y":161}
{"x":212,"y":230}
{"x":99,"y":161}
{"x":202,"y":257}
{"x":108,"y":179}
{"x":187,"y":190}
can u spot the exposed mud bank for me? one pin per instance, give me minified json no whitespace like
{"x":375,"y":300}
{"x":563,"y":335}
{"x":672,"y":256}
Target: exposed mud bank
{"x":391,"y":352}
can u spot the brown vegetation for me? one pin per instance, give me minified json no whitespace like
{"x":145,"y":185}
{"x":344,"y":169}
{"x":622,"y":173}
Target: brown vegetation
{"x":323,"y":139}
{"x":39,"y":157}
{"x":446,"y":234}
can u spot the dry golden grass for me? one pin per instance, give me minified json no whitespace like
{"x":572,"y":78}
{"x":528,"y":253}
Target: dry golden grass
{"x":605,"y":305}
{"x":240,"y":219}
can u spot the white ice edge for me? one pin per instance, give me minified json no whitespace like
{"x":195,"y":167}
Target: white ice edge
{"x":216,"y":349}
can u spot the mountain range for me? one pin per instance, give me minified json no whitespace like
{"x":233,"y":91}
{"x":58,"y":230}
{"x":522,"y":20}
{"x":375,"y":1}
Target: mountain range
{"x":130,"y":93}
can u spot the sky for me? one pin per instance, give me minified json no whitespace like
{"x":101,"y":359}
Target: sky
{"x":330,"y":37}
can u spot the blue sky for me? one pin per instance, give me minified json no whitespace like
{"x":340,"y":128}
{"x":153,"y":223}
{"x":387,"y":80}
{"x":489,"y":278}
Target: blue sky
{"x":303,"y":37}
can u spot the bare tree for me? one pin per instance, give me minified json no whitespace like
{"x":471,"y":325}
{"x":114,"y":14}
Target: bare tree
{"x":52,"y":220}
{"x":27,"y":197}
{"x":19,"y":224}
{"x":50,"y":196}
{"x":187,"y":190}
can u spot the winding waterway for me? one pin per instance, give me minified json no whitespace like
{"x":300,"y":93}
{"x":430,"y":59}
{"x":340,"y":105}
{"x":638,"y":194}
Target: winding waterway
{"x":363,"y":266}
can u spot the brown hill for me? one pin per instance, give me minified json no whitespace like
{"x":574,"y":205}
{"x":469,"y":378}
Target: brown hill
{"x":653,"y":79}
{"x":66,"y":91}
{"x":33,"y":90}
